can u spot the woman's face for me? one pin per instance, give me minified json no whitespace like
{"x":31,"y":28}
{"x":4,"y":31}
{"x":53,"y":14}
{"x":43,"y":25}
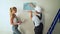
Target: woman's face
{"x":14,"y":11}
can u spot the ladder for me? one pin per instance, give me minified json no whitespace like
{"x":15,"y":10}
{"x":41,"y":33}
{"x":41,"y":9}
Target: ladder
{"x":57,"y":17}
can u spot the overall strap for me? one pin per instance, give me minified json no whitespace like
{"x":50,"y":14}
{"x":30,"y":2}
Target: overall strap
{"x":40,"y":17}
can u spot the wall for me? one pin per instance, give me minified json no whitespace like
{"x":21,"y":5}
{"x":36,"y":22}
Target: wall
{"x":57,"y":29}
{"x":50,"y":8}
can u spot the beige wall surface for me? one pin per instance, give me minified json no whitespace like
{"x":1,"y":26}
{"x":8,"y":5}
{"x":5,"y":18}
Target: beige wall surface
{"x":50,"y":8}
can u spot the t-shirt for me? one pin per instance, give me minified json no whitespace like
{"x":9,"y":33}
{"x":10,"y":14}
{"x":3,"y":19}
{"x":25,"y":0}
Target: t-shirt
{"x":15,"y":20}
{"x":35,"y":19}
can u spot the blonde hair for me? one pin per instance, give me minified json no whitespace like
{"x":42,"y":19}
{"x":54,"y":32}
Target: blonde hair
{"x":12,"y":8}
{"x":10,"y":12}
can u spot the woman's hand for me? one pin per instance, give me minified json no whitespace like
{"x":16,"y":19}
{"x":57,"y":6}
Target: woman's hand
{"x":16,"y":23}
{"x":19,"y":22}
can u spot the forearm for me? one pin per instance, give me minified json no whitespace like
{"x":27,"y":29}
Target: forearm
{"x":30,"y":14}
{"x":20,"y":21}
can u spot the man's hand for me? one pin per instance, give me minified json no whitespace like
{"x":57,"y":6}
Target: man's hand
{"x":29,"y":11}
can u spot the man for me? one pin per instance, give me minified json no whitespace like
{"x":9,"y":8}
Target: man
{"x":36,"y":17}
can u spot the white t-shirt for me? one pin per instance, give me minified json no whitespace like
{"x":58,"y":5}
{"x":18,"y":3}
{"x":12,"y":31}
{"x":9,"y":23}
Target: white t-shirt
{"x":35,"y":19}
{"x":15,"y":20}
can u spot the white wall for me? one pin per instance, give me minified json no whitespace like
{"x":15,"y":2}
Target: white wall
{"x":50,"y":9}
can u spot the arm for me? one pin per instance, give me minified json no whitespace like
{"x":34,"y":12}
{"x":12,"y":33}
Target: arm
{"x":11,"y":20}
{"x":30,"y":14}
{"x":19,"y":22}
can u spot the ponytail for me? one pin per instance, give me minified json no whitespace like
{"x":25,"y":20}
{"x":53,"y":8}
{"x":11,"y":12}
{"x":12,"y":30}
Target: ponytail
{"x":10,"y":12}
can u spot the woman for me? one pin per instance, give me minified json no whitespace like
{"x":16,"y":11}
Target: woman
{"x":14,"y":20}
